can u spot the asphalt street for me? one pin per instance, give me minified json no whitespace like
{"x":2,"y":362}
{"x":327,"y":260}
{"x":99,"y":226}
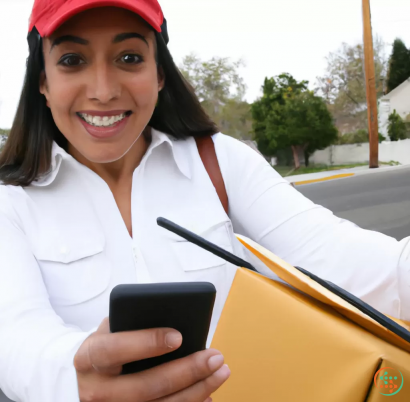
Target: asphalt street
{"x":377,"y":201}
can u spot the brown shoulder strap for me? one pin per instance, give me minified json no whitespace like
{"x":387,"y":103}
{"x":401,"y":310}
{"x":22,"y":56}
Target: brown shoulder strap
{"x":207,"y":153}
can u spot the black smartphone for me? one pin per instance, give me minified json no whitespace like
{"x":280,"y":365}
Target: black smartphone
{"x":186,"y":307}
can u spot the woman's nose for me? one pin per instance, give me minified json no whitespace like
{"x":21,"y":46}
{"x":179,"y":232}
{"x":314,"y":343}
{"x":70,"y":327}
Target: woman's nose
{"x":103,"y":85}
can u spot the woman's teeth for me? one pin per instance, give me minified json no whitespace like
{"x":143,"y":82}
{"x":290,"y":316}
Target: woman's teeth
{"x":102,"y":121}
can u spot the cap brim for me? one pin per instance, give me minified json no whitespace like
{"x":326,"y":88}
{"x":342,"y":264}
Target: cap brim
{"x":68,"y":10}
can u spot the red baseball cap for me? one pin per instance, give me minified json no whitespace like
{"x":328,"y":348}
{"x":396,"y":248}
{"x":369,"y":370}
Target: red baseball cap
{"x":48,"y":15}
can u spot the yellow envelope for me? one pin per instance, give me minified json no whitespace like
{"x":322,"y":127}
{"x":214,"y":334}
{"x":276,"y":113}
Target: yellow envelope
{"x":286,"y":346}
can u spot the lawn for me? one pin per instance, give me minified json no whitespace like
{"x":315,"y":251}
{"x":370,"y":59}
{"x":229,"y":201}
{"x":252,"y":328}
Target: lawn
{"x":287,"y":170}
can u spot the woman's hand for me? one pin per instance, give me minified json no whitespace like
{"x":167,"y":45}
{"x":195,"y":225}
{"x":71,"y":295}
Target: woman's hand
{"x":99,"y":361}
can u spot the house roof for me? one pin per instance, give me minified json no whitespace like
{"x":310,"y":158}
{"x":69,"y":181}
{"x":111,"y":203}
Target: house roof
{"x":395,"y":91}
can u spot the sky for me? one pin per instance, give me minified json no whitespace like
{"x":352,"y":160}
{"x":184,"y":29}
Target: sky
{"x":270,"y":36}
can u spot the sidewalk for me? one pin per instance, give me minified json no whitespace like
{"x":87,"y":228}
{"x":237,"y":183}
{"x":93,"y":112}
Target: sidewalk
{"x":311,"y":178}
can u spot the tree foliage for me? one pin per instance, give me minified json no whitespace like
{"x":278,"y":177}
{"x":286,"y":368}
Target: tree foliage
{"x":289,"y":115}
{"x":399,"y":65}
{"x":357,"y":137}
{"x":220,"y":89}
{"x":396,"y":127}
{"x":343,"y":85}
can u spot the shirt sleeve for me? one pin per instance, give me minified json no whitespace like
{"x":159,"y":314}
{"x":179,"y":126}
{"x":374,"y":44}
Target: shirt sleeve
{"x":36,"y":347}
{"x":266,"y":208}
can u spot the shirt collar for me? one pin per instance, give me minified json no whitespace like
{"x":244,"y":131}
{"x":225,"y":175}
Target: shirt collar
{"x":181,"y":157}
{"x":58,"y":154}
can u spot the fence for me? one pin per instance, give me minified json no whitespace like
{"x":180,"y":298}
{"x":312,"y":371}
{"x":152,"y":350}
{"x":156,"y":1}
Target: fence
{"x":398,"y":151}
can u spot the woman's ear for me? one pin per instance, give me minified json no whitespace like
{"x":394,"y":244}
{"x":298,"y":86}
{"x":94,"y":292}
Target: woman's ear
{"x":44,"y":86}
{"x":161,"y":78}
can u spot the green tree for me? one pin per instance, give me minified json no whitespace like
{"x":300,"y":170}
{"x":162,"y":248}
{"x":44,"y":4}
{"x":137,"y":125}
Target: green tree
{"x":220,"y":89}
{"x":288,"y":115}
{"x":397,"y":127}
{"x":235,"y":119}
{"x":399,"y":65}
{"x":343,"y":84}
{"x":275,"y":92}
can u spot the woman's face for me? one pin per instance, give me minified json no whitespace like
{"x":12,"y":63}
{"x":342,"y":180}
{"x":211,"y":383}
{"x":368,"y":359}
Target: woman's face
{"x":101,"y":81}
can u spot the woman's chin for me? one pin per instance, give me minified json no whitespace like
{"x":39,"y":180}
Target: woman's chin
{"x":104,"y":157}
{"x":99,"y":153}
{"x":83,"y":148}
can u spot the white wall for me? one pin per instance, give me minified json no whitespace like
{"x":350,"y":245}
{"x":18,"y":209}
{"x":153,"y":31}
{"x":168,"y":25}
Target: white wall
{"x":398,"y":151}
{"x":400,"y":101}
{"x":384,"y":112}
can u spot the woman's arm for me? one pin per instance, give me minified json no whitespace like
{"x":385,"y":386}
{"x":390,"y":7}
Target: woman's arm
{"x":36,"y":347}
{"x":264,"y":207}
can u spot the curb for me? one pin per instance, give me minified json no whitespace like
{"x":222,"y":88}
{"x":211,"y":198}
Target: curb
{"x":382,"y":169}
{"x":337,"y":176}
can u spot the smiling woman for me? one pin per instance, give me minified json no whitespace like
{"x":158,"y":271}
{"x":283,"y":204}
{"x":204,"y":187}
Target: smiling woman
{"x":85,"y":65}
{"x":83,"y":69}
{"x":100,"y":82}
{"x":108,"y":136}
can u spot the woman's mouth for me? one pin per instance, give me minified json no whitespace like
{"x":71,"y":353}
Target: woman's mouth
{"x":104,"y":125}
{"x":103,"y":121}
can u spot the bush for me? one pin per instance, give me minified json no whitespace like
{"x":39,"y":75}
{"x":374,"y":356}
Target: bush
{"x":397,"y":127}
{"x":357,"y":137}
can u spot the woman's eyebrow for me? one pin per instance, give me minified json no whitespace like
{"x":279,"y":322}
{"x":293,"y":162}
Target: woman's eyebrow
{"x":68,"y":38}
{"x":129,"y":35}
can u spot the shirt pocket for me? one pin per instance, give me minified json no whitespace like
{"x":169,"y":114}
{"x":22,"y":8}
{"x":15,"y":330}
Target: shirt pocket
{"x":194,"y":258}
{"x":74,"y":270}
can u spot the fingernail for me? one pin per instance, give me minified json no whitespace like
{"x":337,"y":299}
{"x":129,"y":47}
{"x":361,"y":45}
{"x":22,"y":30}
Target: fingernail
{"x":173,"y":340}
{"x":224,"y":372}
{"x":215,"y":362}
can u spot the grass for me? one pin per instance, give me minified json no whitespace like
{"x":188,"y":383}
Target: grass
{"x":287,"y":170}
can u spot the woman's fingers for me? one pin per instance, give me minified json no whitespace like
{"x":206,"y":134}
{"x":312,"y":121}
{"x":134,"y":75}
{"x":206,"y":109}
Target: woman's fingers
{"x":170,"y":378}
{"x":202,"y":389}
{"x":100,"y":358}
{"x":107,"y":352}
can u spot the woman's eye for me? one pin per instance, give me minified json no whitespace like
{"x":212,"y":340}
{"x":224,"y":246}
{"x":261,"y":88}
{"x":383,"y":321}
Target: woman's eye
{"x":131,"y":59}
{"x":71,"y":61}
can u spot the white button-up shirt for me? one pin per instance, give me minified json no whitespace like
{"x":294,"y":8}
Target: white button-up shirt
{"x":64,"y":246}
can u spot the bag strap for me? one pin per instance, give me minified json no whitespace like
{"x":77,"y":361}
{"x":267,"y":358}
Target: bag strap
{"x":206,"y":149}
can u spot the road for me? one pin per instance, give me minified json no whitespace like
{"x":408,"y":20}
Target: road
{"x":377,"y":201}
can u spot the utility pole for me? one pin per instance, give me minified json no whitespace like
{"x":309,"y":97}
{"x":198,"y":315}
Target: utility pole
{"x":370,"y":77}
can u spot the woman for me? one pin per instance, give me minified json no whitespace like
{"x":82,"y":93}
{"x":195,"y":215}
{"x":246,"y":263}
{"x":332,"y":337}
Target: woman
{"x":102,"y":145}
